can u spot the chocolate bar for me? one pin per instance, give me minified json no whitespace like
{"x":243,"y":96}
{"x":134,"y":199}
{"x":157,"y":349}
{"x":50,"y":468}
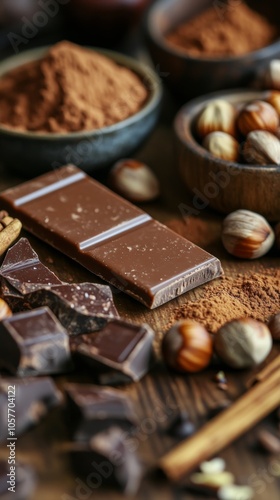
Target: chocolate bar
{"x":121,"y":352}
{"x":91,"y":409}
{"x":107,"y":459}
{"x":16,"y":481}
{"x":109,"y":236}
{"x":34,"y":343}
{"x":33,"y":399}
{"x":26,"y":284}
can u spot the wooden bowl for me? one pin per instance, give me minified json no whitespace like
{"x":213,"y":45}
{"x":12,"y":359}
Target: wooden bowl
{"x":217,"y":183}
{"x":188,"y":76}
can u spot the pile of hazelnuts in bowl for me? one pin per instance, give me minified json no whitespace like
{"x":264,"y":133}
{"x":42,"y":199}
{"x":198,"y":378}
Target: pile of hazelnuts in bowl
{"x":244,"y":133}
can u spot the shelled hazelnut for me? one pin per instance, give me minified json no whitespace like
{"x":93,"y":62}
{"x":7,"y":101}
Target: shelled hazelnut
{"x":222,"y":145}
{"x":217,"y":116}
{"x":274,"y":327}
{"x":247,"y":235}
{"x":262,"y":148}
{"x":257,"y":115}
{"x":271,"y":75}
{"x":134,"y":180}
{"x":187,"y":347}
{"x":243,"y":343}
{"x":273,"y":98}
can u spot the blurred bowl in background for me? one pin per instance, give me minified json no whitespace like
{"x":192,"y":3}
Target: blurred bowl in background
{"x":31,"y":154}
{"x":190,"y":76}
{"x":223,"y":185}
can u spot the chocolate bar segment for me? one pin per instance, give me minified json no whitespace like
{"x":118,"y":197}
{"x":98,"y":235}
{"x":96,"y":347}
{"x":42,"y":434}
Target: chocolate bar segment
{"x":110,"y":236}
{"x":92,"y":409}
{"x":107,"y":459}
{"x":34,"y":398}
{"x":120,"y":353}
{"x":34,"y":343}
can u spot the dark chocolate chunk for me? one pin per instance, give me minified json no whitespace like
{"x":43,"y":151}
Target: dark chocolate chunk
{"x":31,"y":399}
{"x":110,"y":236}
{"x":27,"y":283}
{"x":181,"y":426}
{"x":121,"y":352}
{"x":18,"y":487}
{"x":34,"y":343}
{"x":108,"y":460}
{"x":23,"y":270}
{"x":91,"y":409}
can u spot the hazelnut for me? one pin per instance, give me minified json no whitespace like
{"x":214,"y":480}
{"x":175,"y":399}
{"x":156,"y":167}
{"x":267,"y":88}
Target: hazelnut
{"x":134,"y":180}
{"x":271,"y":75}
{"x":213,"y":466}
{"x":235,"y":492}
{"x":247,"y":235}
{"x":262,"y":148}
{"x":222,"y":145}
{"x":187,"y":347}
{"x":243,"y":343}
{"x":5,"y":311}
{"x":257,"y":115}
{"x":273,"y":98}
{"x":218,"y":115}
{"x":274,"y":326}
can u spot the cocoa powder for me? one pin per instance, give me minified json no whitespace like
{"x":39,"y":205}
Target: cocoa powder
{"x":255,"y":295}
{"x":71,"y":89}
{"x":234,"y":30}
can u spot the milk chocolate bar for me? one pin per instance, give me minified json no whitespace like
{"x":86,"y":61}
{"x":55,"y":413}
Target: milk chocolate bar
{"x":26,"y":284}
{"x":92,"y":409}
{"x":108,"y":459}
{"x":34,"y":343}
{"x":109,"y":236}
{"x":121,"y":352}
{"x":33,"y":399}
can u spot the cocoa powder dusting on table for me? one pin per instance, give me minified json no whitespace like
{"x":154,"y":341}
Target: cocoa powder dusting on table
{"x":229,"y":31}
{"x":255,"y":295}
{"x":69,"y":90}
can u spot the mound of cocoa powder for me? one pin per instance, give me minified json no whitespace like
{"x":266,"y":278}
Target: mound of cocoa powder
{"x":255,"y":295}
{"x":226,"y":28}
{"x":71,"y":89}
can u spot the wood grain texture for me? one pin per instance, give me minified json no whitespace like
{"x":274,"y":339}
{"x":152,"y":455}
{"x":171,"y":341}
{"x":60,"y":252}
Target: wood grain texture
{"x":159,"y":395}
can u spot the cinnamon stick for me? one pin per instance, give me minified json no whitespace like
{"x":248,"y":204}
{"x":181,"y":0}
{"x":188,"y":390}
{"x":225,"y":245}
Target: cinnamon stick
{"x":252,"y":407}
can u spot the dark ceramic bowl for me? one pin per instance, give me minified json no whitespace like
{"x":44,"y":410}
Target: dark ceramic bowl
{"x":219,"y":184}
{"x":31,"y":154}
{"x":189,"y":76}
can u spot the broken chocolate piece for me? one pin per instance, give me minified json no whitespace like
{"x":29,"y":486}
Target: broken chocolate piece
{"x":121,"y":352}
{"x":34,"y":343}
{"x":108,"y":460}
{"x":109,"y":236}
{"x":22,"y":484}
{"x":24,"y":271}
{"x":33,"y":399}
{"x":27,"y":283}
{"x":91,"y":409}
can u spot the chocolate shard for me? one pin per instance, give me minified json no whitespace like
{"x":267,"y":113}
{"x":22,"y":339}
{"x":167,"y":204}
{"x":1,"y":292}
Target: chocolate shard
{"x":32,"y":398}
{"x":24,"y":271}
{"x":108,"y":460}
{"x":22,"y":485}
{"x":80,"y":307}
{"x":121,"y":352}
{"x":91,"y":409}
{"x":34,"y":343}
{"x":109,"y":236}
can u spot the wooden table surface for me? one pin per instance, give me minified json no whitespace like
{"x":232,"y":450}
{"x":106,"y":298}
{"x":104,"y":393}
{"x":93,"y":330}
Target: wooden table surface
{"x":159,"y":395}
